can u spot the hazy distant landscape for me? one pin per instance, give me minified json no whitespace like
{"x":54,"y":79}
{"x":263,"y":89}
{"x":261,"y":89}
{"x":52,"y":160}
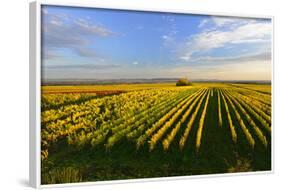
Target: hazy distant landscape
{"x":136,"y":81}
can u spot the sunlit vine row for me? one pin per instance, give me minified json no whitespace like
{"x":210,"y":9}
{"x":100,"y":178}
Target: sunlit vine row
{"x":141,"y":119}
{"x":249,"y":119}
{"x":167,"y":141}
{"x":201,"y":124}
{"x":219,"y":109}
{"x":142,"y":139}
{"x":231,"y":126}
{"x":246,"y":132}
{"x":190,"y":123}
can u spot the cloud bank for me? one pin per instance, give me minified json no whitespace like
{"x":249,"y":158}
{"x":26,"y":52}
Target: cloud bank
{"x":224,"y":32}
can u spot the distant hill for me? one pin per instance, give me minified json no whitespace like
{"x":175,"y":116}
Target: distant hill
{"x":137,"y":81}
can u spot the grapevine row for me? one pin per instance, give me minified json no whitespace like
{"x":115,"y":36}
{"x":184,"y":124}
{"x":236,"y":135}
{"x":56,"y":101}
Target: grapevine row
{"x":130,"y":122}
{"x":231,"y":126}
{"x":190,"y":123}
{"x":250,"y":121}
{"x":219,"y":110}
{"x":246,"y":132}
{"x":121,"y":131}
{"x":201,"y":124}
{"x":150,"y":120}
{"x":167,"y":141}
{"x":142,"y":139}
{"x":258,"y":114}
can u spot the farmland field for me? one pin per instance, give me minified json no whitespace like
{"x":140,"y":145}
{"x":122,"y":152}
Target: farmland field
{"x":109,"y":132}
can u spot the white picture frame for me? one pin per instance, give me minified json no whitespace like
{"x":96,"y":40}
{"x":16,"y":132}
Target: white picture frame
{"x":35,"y":92}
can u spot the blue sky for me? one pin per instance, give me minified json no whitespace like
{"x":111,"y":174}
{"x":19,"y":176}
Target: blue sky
{"x":80,"y":43}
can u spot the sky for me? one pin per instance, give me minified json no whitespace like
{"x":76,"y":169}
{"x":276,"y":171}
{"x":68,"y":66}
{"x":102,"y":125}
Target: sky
{"x":88,"y":43}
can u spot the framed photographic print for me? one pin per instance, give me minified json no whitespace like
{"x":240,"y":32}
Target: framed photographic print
{"x":129,"y":94}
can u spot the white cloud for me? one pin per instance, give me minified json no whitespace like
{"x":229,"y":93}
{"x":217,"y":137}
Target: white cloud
{"x":221,"y":21}
{"x":87,"y":28}
{"x":61,"y":31}
{"x":251,"y":32}
{"x":165,"y":37}
{"x":203,"y":23}
{"x":56,"y":22}
{"x":185,"y":57}
{"x":168,"y":40}
{"x":135,"y":63}
{"x":260,"y":56}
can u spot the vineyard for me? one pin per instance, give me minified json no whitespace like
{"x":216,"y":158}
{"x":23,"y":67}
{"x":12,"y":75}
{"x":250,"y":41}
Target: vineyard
{"x":153,"y":132}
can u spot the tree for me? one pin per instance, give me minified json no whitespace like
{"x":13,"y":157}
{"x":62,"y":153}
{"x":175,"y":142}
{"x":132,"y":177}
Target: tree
{"x":183,"y":82}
